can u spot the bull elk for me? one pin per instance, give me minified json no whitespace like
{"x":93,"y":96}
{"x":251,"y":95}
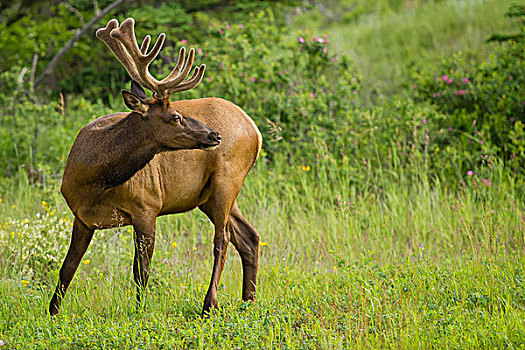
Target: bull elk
{"x":162,"y":158}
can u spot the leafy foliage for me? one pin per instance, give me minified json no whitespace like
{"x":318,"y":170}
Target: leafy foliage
{"x":485,"y":102}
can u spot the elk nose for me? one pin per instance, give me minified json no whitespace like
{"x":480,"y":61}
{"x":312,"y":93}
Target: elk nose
{"x":214,"y":135}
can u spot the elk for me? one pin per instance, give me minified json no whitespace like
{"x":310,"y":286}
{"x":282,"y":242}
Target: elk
{"x":162,"y":158}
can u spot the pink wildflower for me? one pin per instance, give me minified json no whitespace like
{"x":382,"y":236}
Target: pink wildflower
{"x":261,"y":80}
{"x":470,"y":173}
{"x":227,"y":26}
{"x":424,"y":121}
{"x":221,"y":31}
{"x":333,"y":59}
{"x":444,"y":78}
{"x":312,"y":95}
{"x":465,"y":80}
{"x":241,"y":25}
{"x":280,"y":73}
{"x":450,"y":81}
{"x":325,"y":36}
{"x":199,"y":51}
{"x":414,"y":86}
{"x":325,"y":50}
{"x":253,"y":80}
{"x":300,"y":39}
{"x":436,"y":94}
{"x":184,"y":41}
{"x":319,"y":40}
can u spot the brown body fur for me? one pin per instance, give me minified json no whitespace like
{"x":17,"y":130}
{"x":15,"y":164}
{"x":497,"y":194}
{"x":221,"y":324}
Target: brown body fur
{"x":169,"y":182}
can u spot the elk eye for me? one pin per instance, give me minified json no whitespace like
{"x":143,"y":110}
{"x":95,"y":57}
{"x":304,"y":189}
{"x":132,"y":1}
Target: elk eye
{"x":175,"y":118}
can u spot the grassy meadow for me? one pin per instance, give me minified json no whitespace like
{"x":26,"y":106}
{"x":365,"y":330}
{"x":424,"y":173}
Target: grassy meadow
{"x":411,"y":267}
{"x":388,"y":220}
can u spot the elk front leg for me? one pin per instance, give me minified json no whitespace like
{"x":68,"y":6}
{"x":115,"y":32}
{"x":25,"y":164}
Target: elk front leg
{"x":144,"y":237}
{"x":80,"y":239}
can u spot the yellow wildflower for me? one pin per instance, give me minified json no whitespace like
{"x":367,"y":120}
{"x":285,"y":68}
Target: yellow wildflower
{"x":306,"y":168}
{"x":174,"y":244}
{"x":86,"y":262}
{"x":44,"y":203}
{"x":0,"y":200}
{"x":13,"y":206}
{"x":25,"y":283}
{"x":262,"y":244}
{"x":12,"y":234}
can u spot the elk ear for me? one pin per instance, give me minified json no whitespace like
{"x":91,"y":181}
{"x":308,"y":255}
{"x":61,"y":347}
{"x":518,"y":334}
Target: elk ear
{"x":135,"y":103}
{"x":137,"y":90}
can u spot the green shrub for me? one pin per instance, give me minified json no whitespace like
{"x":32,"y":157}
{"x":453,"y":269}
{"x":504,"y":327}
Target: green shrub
{"x":485,"y":102}
{"x":296,"y":92}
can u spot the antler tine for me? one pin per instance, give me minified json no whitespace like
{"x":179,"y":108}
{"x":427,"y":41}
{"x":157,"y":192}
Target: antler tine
{"x":192,"y":82}
{"x":171,"y":84}
{"x":126,"y":35}
{"x":145,"y":44}
{"x":178,"y":67}
{"x":118,"y":49}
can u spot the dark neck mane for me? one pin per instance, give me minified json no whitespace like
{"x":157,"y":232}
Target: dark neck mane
{"x":122,"y":149}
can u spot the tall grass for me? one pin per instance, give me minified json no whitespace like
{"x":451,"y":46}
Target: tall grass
{"x":402,"y":264}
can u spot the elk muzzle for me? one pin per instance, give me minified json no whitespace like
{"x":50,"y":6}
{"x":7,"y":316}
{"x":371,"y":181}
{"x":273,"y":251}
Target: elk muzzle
{"x":214,"y":141}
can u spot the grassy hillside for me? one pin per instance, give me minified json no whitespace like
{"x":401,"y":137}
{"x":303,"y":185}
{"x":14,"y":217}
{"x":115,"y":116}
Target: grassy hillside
{"x":384,"y":46}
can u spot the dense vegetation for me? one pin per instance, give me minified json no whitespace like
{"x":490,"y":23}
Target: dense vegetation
{"x":389,"y":198}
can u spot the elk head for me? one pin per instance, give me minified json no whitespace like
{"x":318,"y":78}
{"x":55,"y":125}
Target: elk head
{"x":170,"y":129}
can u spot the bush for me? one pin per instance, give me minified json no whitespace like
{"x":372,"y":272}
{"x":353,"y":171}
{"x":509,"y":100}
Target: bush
{"x":485,"y":102}
{"x":296,"y":92}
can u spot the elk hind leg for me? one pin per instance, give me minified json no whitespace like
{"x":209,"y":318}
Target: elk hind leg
{"x":80,"y":239}
{"x":218,"y":210}
{"x":246,"y":241}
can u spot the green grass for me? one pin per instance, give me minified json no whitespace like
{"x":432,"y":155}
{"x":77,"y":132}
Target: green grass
{"x":384,"y":47}
{"x":376,"y":266}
